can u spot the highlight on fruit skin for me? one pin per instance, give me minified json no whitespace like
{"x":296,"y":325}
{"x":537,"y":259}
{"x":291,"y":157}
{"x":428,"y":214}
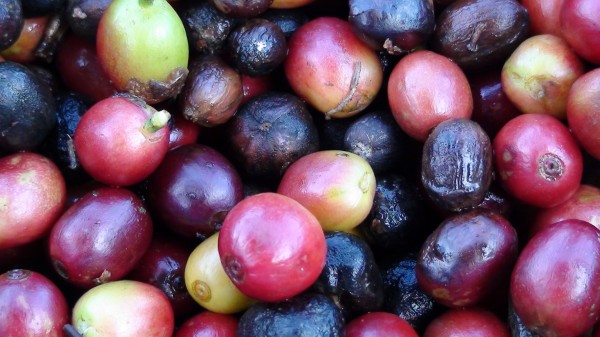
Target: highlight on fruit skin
{"x":123,"y":308}
{"x":338,"y":187}
{"x":143,"y":48}
{"x":555,"y":281}
{"x":331,"y":68}
{"x":267,"y":162}
{"x":121,"y":140}
{"x":538,"y":75}
{"x":271,"y":247}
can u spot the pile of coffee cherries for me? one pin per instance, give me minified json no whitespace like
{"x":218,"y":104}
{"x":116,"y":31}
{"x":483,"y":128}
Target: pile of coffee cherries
{"x":343,"y":168}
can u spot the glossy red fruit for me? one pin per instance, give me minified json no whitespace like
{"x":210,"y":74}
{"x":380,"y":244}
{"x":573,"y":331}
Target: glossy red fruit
{"x":208,"y":324}
{"x":32,"y":196}
{"x":121,"y":140}
{"x":254,"y":86}
{"x":330,"y":68}
{"x":183,"y":131}
{"x":538,"y":160}
{"x":337,"y":187}
{"x":469,"y":322}
{"x":123,"y":308}
{"x":556,"y":280}
{"x":544,"y":16}
{"x":583,"y":111}
{"x":539,"y":73}
{"x":426,"y":88}
{"x":459,"y":273}
{"x":80,"y":70}
{"x":583,"y":205}
{"x":31,"y":305}
{"x":100,"y":238}
{"x":580,"y":26}
{"x":271,"y":247}
{"x":379,"y":324}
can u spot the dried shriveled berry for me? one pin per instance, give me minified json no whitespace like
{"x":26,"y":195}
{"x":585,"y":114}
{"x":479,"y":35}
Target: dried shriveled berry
{"x":212,"y":91}
{"x":480,"y":33}
{"x":350,"y":275}
{"x":269,"y":133}
{"x":456,"y":169}
{"x":26,"y":108}
{"x":257,"y":47}
{"x":207,"y":27}
{"x":11,"y":22}
{"x":397,"y":27}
